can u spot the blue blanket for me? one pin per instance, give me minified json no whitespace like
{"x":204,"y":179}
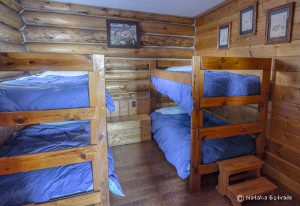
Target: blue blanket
{"x":43,"y":185}
{"x":47,"y":92}
{"x":172,"y":133}
{"x":215,"y":84}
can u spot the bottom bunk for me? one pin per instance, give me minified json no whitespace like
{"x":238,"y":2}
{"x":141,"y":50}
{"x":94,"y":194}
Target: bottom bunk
{"x":171,"y":128}
{"x":46,"y":184}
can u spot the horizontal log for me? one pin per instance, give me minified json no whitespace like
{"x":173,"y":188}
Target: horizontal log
{"x":231,"y":130}
{"x":71,"y":35}
{"x":29,"y":162}
{"x":231,"y":101}
{"x":45,"y":116}
{"x":92,"y":22}
{"x":171,"y":63}
{"x":137,"y":75}
{"x":44,"y":61}
{"x":127,"y":86}
{"x":98,"y":11}
{"x":181,"y":77}
{"x":10,"y":17}
{"x":11,"y":47}
{"x":235,"y":63}
{"x":146,"y":52}
{"x":81,"y":200}
{"x":125,"y":64}
{"x":65,"y":35}
{"x":13,"y":4}
{"x":171,"y":41}
{"x":131,"y":95}
{"x":10,"y":34}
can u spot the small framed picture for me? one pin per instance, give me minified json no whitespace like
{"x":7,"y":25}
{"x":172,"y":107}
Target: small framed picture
{"x":279,"y":24}
{"x":247,"y":20}
{"x":122,"y":34}
{"x":224,"y":36}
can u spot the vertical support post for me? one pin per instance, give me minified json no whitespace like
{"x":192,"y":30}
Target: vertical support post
{"x":153,"y":98}
{"x":197,"y":124}
{"x":98,"y":128}
{"x":263,"y":109}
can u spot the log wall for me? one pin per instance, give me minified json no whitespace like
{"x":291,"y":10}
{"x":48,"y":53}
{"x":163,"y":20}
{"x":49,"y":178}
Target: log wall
{"x":283,"y":148}
{"x":11,"y":40}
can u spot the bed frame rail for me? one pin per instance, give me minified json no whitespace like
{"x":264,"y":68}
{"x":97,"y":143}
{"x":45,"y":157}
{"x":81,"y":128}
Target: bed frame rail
{"x":198,"y":132}
{"x":96,"y":152}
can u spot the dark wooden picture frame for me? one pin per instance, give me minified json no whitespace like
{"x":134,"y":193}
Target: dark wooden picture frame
{"x":224,"y":27}
{"x":289,"y":8}
{"x":249,"y":32}
{"x":130,"y":25}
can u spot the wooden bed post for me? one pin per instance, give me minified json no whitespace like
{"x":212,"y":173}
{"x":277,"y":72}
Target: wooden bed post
{"x":98,"y":128}
{"x":262,"y":114}
{"x":153,"y":98}
{"x":196,"y":124}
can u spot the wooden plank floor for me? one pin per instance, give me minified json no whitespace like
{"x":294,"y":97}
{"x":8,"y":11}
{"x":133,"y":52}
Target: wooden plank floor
{"x":148,"y":179}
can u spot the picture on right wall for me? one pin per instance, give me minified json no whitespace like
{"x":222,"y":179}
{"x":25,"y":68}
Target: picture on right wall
{"x":279,"y":24}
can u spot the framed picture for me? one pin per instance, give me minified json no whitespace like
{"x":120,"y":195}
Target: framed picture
{"x":247,"y":20}
{"x":122,"y":34}
{"x":224,"y":36}
{"x":279,"y":24}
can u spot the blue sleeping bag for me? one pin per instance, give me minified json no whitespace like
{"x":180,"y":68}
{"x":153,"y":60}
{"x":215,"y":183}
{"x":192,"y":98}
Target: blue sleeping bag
{"x":42,"y":185}
{"x":41,"y":92}
{"x":172,"y":133}
{"x":215,"y":84}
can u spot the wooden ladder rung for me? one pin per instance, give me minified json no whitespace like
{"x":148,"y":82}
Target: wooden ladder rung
{"x":45,"y":116}
{"x":231,"y":101}
{"x":231,"y":130}
{"x":29,"y":162}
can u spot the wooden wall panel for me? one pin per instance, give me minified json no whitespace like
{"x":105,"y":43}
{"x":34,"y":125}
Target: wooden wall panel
{"x":283,"y":148}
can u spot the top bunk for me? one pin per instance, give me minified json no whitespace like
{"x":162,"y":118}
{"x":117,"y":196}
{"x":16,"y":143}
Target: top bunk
{"x":61,"y":97}
{"x":217,"y":87}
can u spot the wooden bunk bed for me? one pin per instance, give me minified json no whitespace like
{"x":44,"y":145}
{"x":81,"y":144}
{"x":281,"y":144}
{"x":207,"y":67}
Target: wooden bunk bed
{"x":198,"y":132}
{"x":96,"y":152}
